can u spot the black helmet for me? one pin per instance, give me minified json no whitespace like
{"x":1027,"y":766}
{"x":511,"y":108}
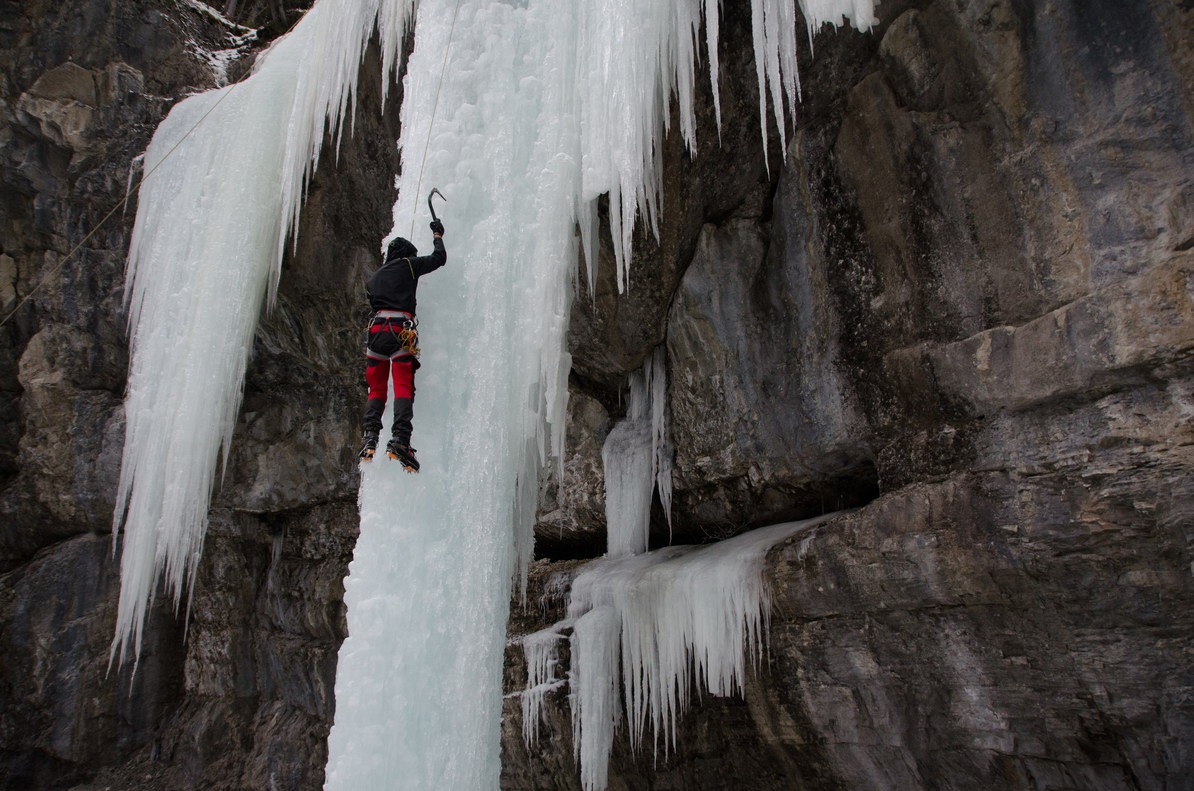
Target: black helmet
{"x":400,"y":248}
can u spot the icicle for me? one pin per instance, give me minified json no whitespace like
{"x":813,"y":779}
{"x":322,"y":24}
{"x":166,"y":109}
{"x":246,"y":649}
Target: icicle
{"x":681,"y":618}
{"x":223,"y":187}
{"x":136,"y":168}
{"x":541,"y":650}
{"x":595,"y":708}
{"x":588,"y":222}
{"x":712,"y":15}
{"x":637,"y":459}
{"x":773,"y":34}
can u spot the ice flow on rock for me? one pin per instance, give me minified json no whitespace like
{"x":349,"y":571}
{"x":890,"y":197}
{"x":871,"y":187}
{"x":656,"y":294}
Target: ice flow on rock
{"x":523,"y":114}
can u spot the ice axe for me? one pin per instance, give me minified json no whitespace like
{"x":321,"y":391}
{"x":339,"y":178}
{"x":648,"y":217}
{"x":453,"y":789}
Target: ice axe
{"x":430,"y":195}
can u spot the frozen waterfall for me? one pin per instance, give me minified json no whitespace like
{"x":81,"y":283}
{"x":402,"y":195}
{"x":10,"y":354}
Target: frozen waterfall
{"x":522,"y":114}
{"x":223,"y":185}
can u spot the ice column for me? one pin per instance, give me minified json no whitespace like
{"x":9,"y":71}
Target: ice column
{"x":595,"y":702}
{"x":637,"y":458}
{"x":518,"y":113}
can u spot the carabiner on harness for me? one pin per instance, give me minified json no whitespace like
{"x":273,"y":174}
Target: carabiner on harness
{"x":399,"y":325}
{"x":408,"y":336}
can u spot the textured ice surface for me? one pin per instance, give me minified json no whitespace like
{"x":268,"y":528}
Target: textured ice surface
{"x":637,"y":458}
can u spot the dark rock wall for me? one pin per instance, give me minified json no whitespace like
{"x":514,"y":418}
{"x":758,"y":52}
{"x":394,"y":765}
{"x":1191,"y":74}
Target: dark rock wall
{"x":76,"y":107}
{"x":963,"y":302}
{"x":74,"y":116}
{"x":239,"y":694}
{"x":960,"y":303}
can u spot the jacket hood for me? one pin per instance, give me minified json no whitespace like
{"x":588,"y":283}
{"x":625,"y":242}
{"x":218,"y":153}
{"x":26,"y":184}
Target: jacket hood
{"x":400,"y":248}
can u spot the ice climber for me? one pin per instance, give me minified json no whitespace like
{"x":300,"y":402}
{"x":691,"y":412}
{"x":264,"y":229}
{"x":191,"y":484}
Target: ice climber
{"x":392,"y":345}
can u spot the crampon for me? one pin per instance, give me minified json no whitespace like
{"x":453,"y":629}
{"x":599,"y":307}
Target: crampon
{"x":404,"y":455}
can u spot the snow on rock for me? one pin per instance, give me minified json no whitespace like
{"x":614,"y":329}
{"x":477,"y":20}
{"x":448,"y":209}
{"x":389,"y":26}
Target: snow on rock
{"x":204,"y":8}
{"x":239,"y":38}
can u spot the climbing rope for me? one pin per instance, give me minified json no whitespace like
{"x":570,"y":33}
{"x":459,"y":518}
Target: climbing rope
{"x":431,"y":124}
{"x":145,"y":176}
{"x":124,"y":201}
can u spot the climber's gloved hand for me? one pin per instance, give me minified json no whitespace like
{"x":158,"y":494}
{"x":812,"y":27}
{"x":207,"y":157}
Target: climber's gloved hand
{"x":437,"y":227}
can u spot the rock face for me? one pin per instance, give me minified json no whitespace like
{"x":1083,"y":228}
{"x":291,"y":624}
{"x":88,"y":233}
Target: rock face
{"x":243,"y":697}
{"x":959,"y":305}
{"x":964,"y":304}
{"x":75,"y":108}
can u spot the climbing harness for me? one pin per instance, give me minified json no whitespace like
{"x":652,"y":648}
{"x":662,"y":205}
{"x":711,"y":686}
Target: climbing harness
{"x":402,"y":326}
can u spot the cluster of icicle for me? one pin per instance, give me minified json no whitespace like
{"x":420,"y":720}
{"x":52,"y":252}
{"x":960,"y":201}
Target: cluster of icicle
{"x":648,"y":628}
{"x":224,"y":178}
{"x":646,"y":632}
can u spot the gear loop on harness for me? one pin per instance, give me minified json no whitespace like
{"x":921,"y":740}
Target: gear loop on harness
{"x":403,"y":327}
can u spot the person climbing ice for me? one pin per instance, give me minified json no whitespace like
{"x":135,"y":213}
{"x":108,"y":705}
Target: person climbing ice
{"x":392,"y":346}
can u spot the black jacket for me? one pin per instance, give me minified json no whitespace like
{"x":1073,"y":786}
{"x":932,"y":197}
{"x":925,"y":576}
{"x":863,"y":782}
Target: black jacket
{"x":393,"y":286}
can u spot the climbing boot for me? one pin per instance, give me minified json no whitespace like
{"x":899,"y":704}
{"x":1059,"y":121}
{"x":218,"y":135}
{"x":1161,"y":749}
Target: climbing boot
{"x":369,"y":447}
{"x":403,"y":454}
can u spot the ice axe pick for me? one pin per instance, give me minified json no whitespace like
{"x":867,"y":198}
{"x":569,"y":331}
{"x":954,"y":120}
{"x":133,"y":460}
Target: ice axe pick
{"x":430,"y":195}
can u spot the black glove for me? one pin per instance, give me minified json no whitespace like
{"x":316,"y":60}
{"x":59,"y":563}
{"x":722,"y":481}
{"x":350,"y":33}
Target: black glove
{"x":437,"y":227}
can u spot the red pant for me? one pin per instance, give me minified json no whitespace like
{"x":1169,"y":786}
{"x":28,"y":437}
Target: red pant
{"x":386,"y":357}
{"x":378,"y":371}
